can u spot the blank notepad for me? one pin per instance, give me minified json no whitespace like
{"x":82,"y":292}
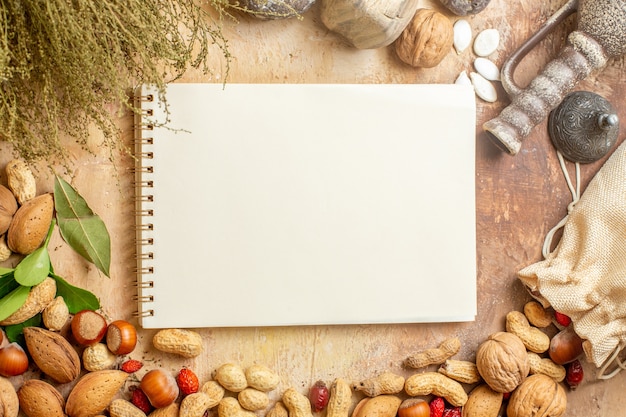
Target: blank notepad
{"x":283,"y":204}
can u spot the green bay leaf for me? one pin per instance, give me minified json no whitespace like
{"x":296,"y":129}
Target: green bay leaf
{"x":11,"y":302}
{"x":7,"y":284}
{"x":5,"y":271}
{"x":80,"y":227}
{"x":77,"y":299}
{"x":15,"y":332}
{"x":34,"y":268}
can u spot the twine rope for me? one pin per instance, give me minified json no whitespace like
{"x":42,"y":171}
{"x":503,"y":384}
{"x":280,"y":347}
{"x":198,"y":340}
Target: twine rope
{"x":575,"y":191}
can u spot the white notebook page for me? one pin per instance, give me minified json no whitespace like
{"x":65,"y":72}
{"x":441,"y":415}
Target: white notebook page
{"x":283,"y":204}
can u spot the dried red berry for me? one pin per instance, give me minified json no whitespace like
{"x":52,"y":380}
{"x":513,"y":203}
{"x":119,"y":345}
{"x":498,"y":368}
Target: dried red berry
{"x":318,"y":396}
{"x":140,"y":400}
{"x":187,"y":381}
{"x":575,"y":374}
{"x":437,"y":406}
{"x":562,"y":319}
{"x":452,"y":412}
{"x":506,"y":396}
{"x":131,"y":366}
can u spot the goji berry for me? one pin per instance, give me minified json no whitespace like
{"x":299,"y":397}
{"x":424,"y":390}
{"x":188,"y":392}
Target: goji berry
{"x":437,"y":406}
{"x":562,"y":319}
{"x":140,"y":400}
{"x":319,"y":395}
{"x":187,"y":381}
{"x":452,"y":412}
{"x":506,"y":396}
{"x":575,"y":374}
{"x":131,"y":366}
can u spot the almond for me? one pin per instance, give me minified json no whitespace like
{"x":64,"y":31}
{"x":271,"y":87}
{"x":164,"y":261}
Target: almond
{"x":30,"y":224}
{"x":94,"y":392}
{"x":9,"y":403}
{"x":40,"y":399}
{"x":53,"y":354}
{"x":8,"y":207}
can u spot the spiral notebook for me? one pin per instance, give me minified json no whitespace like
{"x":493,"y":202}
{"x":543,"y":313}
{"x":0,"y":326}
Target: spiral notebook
{"x":305,"y":204}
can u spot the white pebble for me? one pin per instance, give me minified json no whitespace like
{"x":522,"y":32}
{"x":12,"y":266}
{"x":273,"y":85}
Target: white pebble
{"x":462,"y":35}
{"x":486,"y":42}
{"x":487,"y":69}
{"x":463,"y":79}
{"x":483,"y":88}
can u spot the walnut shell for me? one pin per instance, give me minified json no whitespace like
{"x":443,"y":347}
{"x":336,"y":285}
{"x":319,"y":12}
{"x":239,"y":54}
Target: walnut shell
{"x":538,"y":396}
{"x":502,"y":361}
{"x":426,"y":40}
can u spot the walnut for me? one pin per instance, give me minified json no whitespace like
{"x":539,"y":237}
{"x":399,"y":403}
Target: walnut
{"x":426,"y":40}
{"x":538,"y":396}
{"x":502,"y":361}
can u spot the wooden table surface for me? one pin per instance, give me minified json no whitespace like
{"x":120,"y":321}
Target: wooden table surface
{"x":519,"y":198}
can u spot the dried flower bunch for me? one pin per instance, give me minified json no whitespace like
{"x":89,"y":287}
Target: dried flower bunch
{"x":65,"y":64}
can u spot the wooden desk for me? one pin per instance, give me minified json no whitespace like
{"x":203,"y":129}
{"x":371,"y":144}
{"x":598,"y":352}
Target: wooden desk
{"x":518,"y":200}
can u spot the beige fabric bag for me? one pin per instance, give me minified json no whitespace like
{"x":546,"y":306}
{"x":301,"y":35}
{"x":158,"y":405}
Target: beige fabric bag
{"x":585,"y":276}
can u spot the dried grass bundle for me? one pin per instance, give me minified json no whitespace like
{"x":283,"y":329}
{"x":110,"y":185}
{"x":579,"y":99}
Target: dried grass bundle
{"x":64,"y":64}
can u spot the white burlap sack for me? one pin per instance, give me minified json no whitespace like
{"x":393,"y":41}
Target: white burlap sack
{"x":585,"y":276}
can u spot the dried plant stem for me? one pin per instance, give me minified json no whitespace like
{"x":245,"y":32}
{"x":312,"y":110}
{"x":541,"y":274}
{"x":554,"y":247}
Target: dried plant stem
{"x":66,"y":64}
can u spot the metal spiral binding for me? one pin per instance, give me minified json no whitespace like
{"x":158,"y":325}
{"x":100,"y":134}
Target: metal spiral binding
{"x":143,"y":299}
{"x":145,"y":313}
{"x":144,"y":284}
{"x":143,"y":198}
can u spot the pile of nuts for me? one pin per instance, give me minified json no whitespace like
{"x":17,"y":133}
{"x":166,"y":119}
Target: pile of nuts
{"x":24,"y":217}
{"x":520,"y":369}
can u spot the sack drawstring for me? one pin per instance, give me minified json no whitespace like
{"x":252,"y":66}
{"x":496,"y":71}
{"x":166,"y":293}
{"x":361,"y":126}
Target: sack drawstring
{"x":614,"y":359}
{"x":575,"y":191}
